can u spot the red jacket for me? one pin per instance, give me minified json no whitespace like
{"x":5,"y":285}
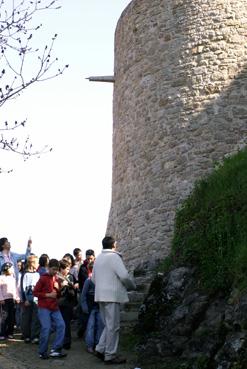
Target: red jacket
{"x":47,"y":284}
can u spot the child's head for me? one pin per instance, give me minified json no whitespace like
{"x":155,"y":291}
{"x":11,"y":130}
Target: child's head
{"x":70,"y":259}
{"x":44,"y":260}
{"x":90,"y":256}
{"x":64,"y":266}
{"x":32,"y":263}
{"x":21,"y":265}
{"x":77,"y":254}
{"x":53,"y":266}
{"x":7,"y":269}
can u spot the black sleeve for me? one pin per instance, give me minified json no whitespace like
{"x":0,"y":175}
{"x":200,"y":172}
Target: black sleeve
{"x":82,"y":276}
{"x":22,"y":293}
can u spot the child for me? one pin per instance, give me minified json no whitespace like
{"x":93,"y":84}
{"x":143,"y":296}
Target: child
{"x":47,"y":290}
{"x":43,"y":264}
{"x":21,"y":267}
{"x":29,"y":319}
{"x":89,"y":306}
{"x":68,"y":300}
{"x":82,"y":276}
{"x":8,"y":297}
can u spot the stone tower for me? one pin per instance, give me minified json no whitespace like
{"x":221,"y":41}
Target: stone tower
{"x":180,"y":104}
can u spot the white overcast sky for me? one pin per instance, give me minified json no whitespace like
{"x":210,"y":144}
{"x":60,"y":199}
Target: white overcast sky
{"x":62,"y":200}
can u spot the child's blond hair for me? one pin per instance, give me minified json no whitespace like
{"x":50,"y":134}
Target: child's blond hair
{"x":30,"y":262}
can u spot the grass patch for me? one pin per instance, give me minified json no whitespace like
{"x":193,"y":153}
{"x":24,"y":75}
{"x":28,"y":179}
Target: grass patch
{"x":128,"y":341}
{"x":165,"y":265}
{"x":211,"y":227}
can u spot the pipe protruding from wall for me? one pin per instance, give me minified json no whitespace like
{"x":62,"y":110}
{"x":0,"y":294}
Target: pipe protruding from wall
{"x":110,"y":79}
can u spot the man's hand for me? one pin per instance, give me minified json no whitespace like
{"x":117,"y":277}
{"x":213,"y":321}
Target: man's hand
{"x":29,"y":243}
{"x":64,"y":283}
{"x":27,"y":303}
{"x":52,"y":295}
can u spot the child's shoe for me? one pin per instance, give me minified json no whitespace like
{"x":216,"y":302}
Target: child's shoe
{"x":44,"y":356}
{"x":35,"y":340}
{"x":116,"y":360}
{"x":57,"y":354}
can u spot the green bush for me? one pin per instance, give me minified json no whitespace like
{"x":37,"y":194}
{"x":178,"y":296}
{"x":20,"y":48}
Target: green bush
{"x":211,"y":226}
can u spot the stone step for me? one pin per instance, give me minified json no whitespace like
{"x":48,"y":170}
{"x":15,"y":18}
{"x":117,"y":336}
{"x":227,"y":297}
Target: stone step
{"x":131,"y":306}
{"x":147,"y":279}
{"x":128,"y":316}
{"x":127,"y":327}
{"x":143,"y":283}
{"x":136,"y":296}
{"x":130,"y":311}
{"x":143,"y":287}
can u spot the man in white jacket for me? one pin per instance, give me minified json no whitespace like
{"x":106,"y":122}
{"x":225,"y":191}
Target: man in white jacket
{"x":111,"y":280}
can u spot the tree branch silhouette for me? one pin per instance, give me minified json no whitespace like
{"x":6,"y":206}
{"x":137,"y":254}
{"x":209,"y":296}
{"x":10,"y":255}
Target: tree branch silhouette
{"x":17,"y":54}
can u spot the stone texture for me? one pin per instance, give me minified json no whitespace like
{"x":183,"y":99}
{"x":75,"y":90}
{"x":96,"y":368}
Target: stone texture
{"x":181,"y":326}
{"x":179,"y":106}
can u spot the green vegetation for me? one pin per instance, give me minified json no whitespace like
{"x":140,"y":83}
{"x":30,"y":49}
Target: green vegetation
{"x":211,"y":227}
{"x":128,"y":341}
{"x":128,"y":345}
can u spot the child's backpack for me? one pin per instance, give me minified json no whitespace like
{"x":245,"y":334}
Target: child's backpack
{"x":29,"y":293}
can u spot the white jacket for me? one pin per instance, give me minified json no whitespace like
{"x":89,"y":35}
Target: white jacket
{"x":111,"y":278}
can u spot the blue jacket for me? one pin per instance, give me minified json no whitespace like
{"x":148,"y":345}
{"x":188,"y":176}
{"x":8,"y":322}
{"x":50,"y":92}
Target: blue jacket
{"x":87,"y":297}
{"x":14,"y":257}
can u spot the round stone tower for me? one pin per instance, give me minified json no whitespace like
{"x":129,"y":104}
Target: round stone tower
{"x":180,"y":105}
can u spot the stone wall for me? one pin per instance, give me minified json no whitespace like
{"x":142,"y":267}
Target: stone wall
{"x":180,"y":104}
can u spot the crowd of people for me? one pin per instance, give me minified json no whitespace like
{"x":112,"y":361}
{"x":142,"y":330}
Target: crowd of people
{"x":40,"y":296}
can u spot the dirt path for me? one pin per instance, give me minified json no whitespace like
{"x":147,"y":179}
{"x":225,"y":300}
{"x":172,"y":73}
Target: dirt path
{"x":16,"y":354}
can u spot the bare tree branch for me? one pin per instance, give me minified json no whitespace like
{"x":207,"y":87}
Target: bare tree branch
{"x":17,"y":53}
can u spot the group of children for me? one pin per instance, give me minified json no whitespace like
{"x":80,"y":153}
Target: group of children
{"x":43,"y":296}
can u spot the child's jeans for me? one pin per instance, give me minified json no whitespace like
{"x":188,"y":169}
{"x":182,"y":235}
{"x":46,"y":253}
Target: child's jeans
{"x":94,"y":328}
{"x":30,"y":326}
{"x":18,"y":313}
{"x":67,"y":314}
{"x":49,"y":318}
{"x":7,"y":326}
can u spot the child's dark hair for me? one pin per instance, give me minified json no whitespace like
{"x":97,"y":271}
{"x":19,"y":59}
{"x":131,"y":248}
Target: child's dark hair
{"x":90,"y":252}
{"x":68,"y":255}
{"x":5,"y":267}
{"x":23,"y":265}
{"x":108,"y":242}
{"x":43,"y":260}
{"x":76,"y":252}
{"x":53,"y":263}
{"x":63,"y":264}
